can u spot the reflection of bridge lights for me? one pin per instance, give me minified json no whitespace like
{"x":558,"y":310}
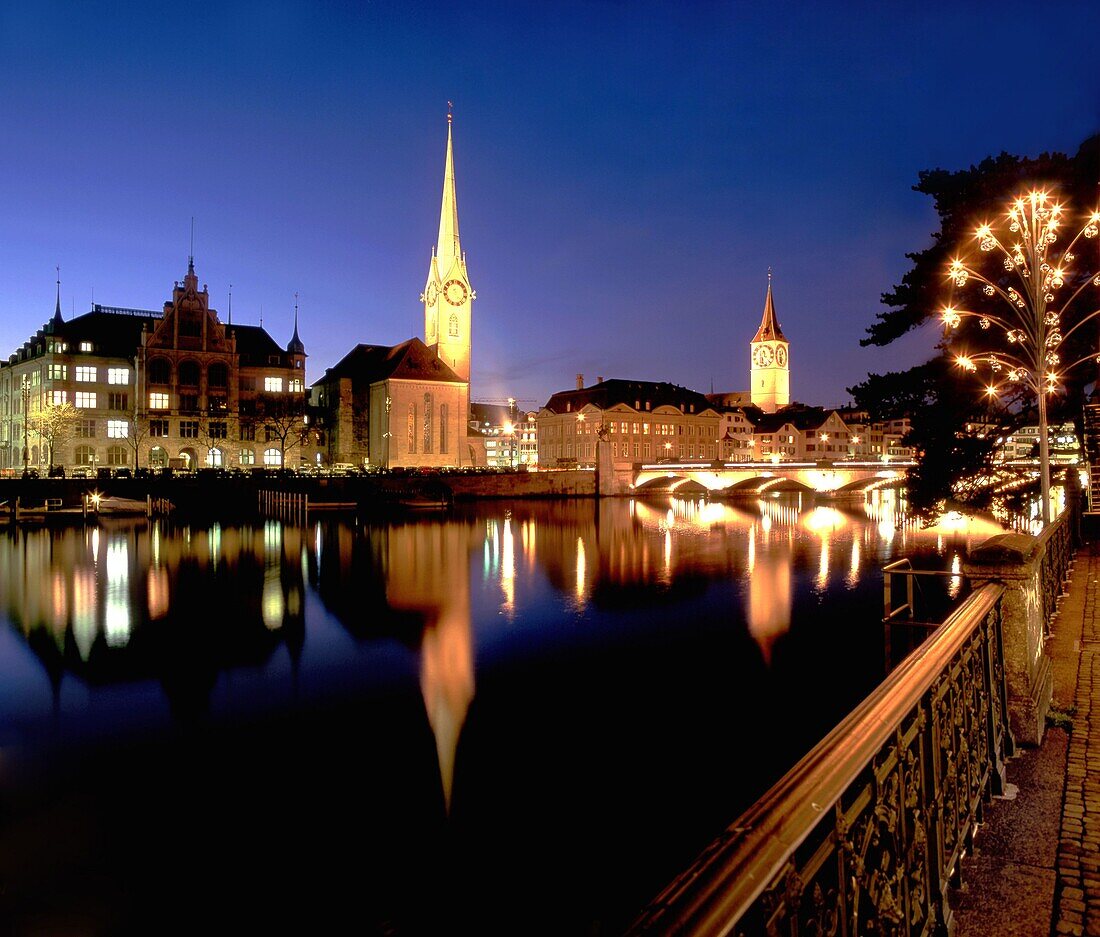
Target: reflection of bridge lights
{"x":822,"y":519}
{"x":886,"y":529}
{"x":853,"y":567}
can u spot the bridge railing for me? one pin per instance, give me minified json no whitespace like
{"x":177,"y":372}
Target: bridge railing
{"x":864,"y":834}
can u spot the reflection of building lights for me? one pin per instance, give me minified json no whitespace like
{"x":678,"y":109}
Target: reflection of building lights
{"x":954,"y":584}
{"x":271,"y":599}
{"x":508,"y":570}
{"x":157,"y":593}
{"x":84,"y":606}
{"x":580,"y":571}
{"x":117,"y":617}
{"x":853,"y":568}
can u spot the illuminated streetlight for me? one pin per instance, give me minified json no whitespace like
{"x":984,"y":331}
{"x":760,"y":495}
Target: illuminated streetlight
{"x":1030,"y":310}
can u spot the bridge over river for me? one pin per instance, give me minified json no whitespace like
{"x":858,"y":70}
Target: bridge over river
{"x":756,"y":478}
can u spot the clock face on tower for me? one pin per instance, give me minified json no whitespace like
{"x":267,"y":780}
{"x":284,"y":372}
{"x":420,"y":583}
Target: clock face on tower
{"x":764,"y":356}
{"x":430,"y":294}
{"x":454,"y":291}
{"x":781,"y":356}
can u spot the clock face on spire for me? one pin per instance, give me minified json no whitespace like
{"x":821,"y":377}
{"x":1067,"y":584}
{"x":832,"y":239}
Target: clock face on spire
{"x":781,"y":356}
{"x":454,"y":291}
{"x":430,"y":294}
{"x":764,"y":356}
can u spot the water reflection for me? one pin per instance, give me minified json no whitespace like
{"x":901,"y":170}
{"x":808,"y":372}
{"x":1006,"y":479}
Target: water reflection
{"x":519,"y":656}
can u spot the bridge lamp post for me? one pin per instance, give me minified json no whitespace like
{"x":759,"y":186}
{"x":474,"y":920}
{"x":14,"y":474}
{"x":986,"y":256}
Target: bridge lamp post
{"x":1028,"y":309}
{"x":824,"y":437}
{"x":854,"y":452}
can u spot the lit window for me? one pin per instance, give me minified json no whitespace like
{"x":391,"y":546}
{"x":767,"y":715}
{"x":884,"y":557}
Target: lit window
{"x":85,"y":399}
{"x":84,"y":374}
{"x":294,"y":386}
{"x":248,"y":457}
{"x":272,"y":457}
{"x":58,"y":397}
{"x":85,"y":346}
{"x":58,"y":372}
{"x":158,"y":401}
{"x":273,"y":384}
{"x":117,"y":429}
{"x":117,"y":376}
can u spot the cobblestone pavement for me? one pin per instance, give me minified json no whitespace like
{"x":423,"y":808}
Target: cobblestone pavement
{"x":1077,"y":890}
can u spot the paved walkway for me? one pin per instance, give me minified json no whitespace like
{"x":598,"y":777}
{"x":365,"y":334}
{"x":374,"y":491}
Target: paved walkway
{"x":1035,"y":868}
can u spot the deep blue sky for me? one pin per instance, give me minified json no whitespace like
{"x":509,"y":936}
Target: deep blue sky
{"x":626,"y":171}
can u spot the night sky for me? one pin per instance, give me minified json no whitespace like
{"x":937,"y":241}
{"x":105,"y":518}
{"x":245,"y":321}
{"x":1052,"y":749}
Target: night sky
{"x":627,"y":172}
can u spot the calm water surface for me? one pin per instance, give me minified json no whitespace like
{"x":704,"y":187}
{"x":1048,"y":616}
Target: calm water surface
{"x":520,"y":718}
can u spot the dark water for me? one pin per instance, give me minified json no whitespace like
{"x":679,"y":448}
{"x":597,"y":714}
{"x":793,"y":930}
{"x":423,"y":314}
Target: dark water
{"x":520,"y":718}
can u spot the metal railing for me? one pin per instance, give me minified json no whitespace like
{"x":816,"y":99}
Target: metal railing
{"x":864,"y":834}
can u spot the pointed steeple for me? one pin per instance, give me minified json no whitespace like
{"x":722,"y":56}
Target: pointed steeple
{"x":448,"y":248}
{"x":296,"y":347}
{"x":769,"y":330}
{"x":57,"y":317}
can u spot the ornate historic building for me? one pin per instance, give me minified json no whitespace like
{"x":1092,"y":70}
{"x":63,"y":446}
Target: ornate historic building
{"x":151,"y":388}
{"x":408,"y":405}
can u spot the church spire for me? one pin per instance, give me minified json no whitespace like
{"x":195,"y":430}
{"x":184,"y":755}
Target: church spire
{"x":769,"y":330}
{"x":296,"y":346}
{"x":57,"y":318}
{"x":448,"y":248}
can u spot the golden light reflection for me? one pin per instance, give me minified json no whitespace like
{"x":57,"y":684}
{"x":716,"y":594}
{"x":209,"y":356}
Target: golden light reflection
{"x":853,"y":564}
{"x":581,"y":572}
{"x":769,"y":602}
{"x":508,"y":571}
{"x":954,"y":584}
{"x":271,"y":599}
{"x":116,"y":625}
{"x":157,"y":593}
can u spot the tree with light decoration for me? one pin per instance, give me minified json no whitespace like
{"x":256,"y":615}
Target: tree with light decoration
{"x":939,"y":396}
{"x":1031,"y":284}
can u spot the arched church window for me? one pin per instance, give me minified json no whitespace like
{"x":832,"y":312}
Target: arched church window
{"x":442,"y":427}
{"x":427,"y":422}
{"x":412,"y":427}
{"x":453,"y":325}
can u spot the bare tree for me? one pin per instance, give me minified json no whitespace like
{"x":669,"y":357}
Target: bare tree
{"x":282,"y":417}
{"x":213,"y":434}
{"x":54,"y":424}
{"x":139,"y":432}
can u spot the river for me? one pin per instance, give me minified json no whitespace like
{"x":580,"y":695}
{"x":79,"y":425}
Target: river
{"x":521,"y":717}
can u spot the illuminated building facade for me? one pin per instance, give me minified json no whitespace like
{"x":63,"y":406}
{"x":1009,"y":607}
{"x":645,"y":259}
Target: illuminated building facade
{"x":149,"y":387}
{"x":644,"y":421}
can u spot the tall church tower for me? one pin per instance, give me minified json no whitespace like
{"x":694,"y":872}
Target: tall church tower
{"x":770,"y":365}
{"x":447,"y":297}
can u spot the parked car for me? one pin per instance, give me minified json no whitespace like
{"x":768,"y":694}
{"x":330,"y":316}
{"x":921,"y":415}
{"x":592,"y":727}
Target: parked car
{"x":81,"y":471}
{"x":30,"y":473}
{"x":123,"y":472}
{"x":103,"y":473}
{"x":57,"y":471}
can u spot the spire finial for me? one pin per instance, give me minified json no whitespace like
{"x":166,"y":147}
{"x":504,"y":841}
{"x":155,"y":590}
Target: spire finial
{"x":191,"y":250}
{"x":450,"y":111}
{"x":57,"y":307}
{"x":230,"y":303}
{"x":769,"y":275}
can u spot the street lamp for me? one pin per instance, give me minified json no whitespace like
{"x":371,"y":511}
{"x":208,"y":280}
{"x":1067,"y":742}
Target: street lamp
{"x":510,"y":432}
{"x":1030,"y":310}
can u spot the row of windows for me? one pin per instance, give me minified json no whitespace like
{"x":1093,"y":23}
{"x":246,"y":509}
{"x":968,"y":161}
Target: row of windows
{"x":158,"y":457}
{"x":425,"y":421}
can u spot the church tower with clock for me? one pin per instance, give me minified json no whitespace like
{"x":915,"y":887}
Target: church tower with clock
{"x":447,"y":296}
{"x":770,"y":365}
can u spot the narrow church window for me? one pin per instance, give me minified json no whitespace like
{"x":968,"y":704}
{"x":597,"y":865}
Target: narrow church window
{"x":427,"y":422}
{"x":442,"y":427}
{"x":453,"y":325}
{"x":412,"y":427}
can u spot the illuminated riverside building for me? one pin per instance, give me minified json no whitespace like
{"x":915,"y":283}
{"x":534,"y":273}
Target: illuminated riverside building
{"x":508,"y":434}
{"x":644,"y":421}
{"x":408,"y":405}
{"x":149,"y":386}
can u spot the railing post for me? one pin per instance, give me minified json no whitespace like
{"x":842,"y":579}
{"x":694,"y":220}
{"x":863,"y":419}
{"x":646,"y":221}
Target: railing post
{"x":1016,"y":561}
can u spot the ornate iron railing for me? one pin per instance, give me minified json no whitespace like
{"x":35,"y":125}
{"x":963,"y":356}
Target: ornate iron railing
{"x":1057,"y":546}
{"x":864,"y":834}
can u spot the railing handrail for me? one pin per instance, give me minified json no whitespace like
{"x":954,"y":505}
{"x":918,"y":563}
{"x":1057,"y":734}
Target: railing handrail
{"x":712,"y":895}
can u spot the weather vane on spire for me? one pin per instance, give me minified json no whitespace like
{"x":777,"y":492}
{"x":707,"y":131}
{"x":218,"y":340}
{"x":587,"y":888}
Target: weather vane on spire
{"x":450,"y":110}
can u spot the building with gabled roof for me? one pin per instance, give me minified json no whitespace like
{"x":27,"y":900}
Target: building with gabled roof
{"x":387,"y":406}
{"x":150,"y":388}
